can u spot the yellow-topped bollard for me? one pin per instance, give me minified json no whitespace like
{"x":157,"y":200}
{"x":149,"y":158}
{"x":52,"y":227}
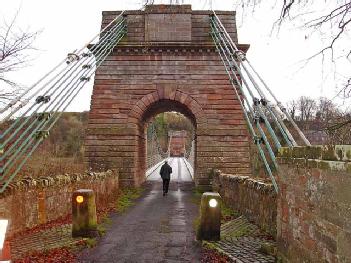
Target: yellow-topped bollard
{"x":84,"y":222}
{"x":210,"y":217}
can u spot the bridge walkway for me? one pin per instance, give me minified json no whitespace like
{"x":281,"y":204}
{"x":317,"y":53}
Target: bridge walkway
{"x":157,"y":229}
{"x":182,"y":171}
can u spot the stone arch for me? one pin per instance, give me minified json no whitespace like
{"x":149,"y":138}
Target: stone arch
{"x":175,"y":96}
{"x":161,"y":100}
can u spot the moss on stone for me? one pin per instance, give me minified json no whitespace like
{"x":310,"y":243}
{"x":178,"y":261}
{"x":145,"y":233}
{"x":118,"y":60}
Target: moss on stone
{"x":348,"y":167}
{"x":313,"y":152}
{"x":312,"y":163}
{"x":284,"y":152}
{"x":329,"y":153}
{"x":299,"y":152}
{"x":323,"y":165}
{"x":348,"y":154}
{"x":268,"y":249}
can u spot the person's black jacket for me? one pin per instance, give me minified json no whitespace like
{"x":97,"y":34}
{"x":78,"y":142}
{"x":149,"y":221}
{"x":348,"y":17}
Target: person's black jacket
{"x":166,"y":171}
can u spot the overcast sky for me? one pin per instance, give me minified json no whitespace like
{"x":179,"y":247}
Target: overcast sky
{"x":67,"y":24}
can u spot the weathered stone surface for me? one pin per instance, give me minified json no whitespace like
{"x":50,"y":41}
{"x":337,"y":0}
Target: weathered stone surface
{"x":314,"y":204}
{"x":210,"y":217}
{"x":84,"y":220}
{"x":152,"y":71}
{"x":251,"y":197}
{"x":30,"y":202}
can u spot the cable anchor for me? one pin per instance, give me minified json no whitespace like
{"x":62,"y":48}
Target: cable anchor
{"x":240,"y":55}
{"x":84,"y":78}
{"x":256,"y":101}
{"x":258,"y":119}
{"x":87,"y":55}
{"x":264,"y":102}
{"x":71,"y":57}
{"x":44,"y":99}
{"x":258,"y":140}
{"x":231,"y":65}
{"x":43,"y":116}
{"x":41,"y":134}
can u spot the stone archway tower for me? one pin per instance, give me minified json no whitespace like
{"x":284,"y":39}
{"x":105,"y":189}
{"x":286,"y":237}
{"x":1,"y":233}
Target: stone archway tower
{"x":166,"y":62}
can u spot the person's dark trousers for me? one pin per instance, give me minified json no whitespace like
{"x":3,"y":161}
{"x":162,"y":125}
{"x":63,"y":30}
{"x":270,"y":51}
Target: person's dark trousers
{"x":165,"y":185}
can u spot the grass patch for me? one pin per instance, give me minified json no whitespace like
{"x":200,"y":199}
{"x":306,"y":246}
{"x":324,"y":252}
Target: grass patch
{"x":196,"y":197}
{"x":101,"y":229}
{"x":228,"y":213}
{"x":90,"y":242}
{"x":127,"y":197}
{"x":242,"y":231}
{"x":196,"y":223}
{"x":208,"y":245}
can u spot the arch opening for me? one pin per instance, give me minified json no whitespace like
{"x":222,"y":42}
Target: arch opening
{"x":169,"y":133}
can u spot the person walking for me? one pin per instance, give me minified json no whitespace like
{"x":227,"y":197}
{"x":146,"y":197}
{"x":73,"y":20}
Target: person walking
{"x":165,"y":173}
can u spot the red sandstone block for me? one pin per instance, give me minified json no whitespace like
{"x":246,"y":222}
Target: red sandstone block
{"x":151,"y":98}
{"x":155,"y":96}
{"x":284,"y":211}
{"x":214,"y":97}
{"x":169,"y":92}
{"x":135,"y":113}
{"x":146,"y":101}
{"x":161,"y":92}
{"x":183,"y":98}
{"x":178,"y":95}
{"x":141,"y":105}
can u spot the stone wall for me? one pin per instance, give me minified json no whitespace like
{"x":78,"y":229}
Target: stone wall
{"x":314,"y":204}
{"x":31,"y":202}
{"x":253,"y":198}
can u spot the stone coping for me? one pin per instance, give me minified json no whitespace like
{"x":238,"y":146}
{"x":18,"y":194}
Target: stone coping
{"x":341,"y":153}
{"x":56,"y":180}
{"x":250,"y":182}
{"x":316,"y":163}
{"x":169,"y":11}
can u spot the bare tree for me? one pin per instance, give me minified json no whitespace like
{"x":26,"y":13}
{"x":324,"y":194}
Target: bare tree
{"x":14,"y":46}
{"x":333,"y":24}
{"x":303,"y":109}
{"x":322,"y":115}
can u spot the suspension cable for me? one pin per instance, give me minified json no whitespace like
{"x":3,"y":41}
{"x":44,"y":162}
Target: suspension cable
{"x":250,"y":110}
{"x":242,"y":58}
{"x":72,"y":83}
{"x":257,"y":102}
{"x":96,"y":49}
{"x":243,"y":94}
{"x":57,"y":107}
{"x":18,"y":98}
{"x":251,"y":129}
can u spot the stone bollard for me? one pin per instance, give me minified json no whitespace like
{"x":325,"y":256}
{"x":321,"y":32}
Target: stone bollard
{"x":84,"y":222}
{"x":210,"y":217}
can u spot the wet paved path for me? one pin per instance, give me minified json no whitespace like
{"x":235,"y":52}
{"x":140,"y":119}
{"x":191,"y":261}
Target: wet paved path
{"x":157,"y":228}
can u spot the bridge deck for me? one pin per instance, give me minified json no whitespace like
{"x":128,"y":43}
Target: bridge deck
{"x":182,"y":171}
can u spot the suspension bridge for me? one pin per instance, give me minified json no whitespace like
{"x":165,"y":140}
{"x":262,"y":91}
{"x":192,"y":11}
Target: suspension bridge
{"x":159,"y":69}
{"x":145,"y":62}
